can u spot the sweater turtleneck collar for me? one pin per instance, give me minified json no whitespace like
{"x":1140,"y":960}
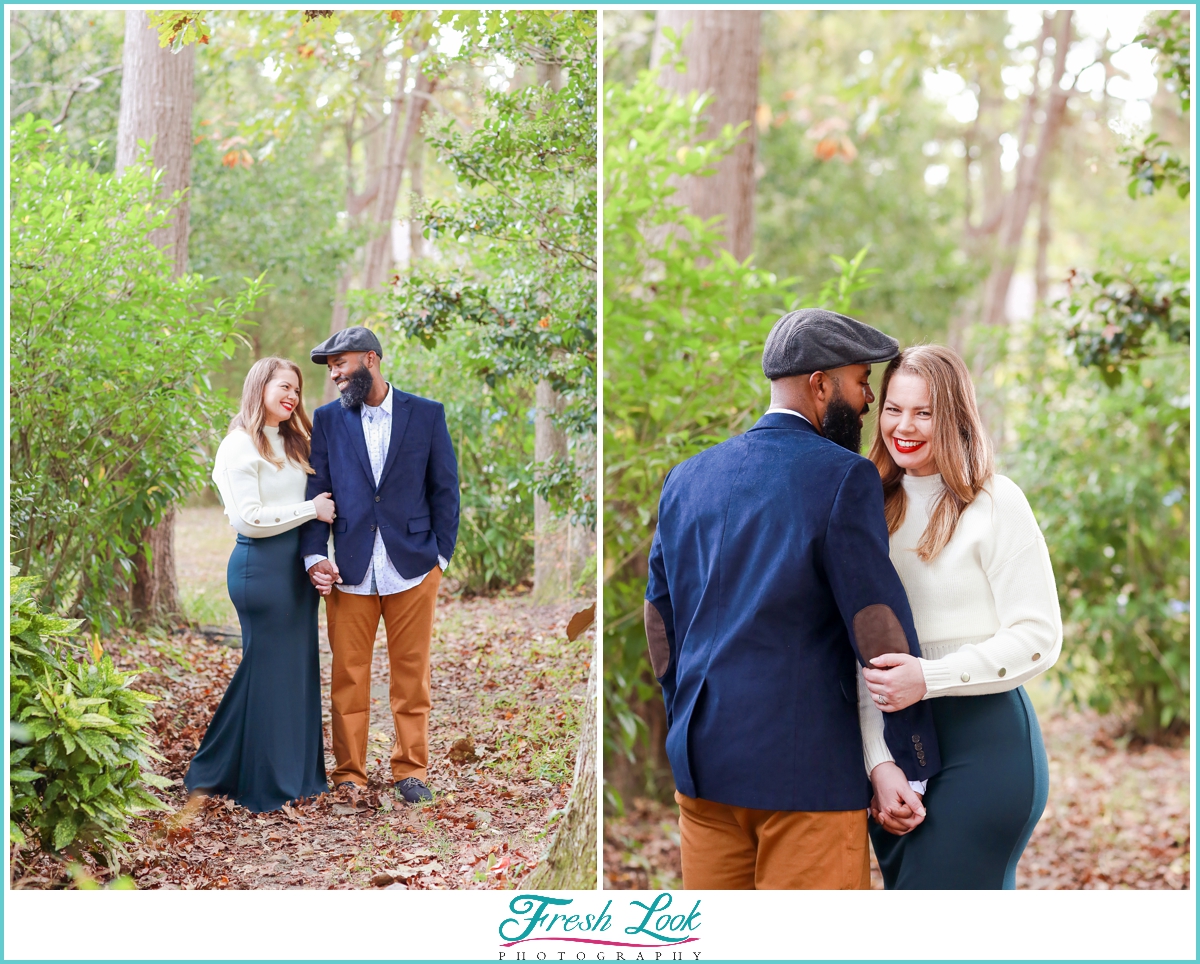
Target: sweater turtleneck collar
{"x":923,"y":487}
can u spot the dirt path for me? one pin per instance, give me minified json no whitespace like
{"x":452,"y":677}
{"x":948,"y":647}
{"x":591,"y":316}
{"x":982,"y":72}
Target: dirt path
{"x":505,"y":680}
{"x":1117,"y":818}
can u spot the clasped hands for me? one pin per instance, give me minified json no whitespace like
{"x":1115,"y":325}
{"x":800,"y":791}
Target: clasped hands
{"x":895,"y":681}
{"x":324,"y":574}
{"x":895,"y":805}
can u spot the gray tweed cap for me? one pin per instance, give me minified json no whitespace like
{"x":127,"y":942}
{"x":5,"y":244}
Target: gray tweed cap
{"x":816,"y":340}
{"x":348,"y":339}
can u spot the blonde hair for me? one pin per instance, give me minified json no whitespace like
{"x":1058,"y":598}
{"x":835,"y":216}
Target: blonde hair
{"x":296,"y":432}
{"x":962,"y":450}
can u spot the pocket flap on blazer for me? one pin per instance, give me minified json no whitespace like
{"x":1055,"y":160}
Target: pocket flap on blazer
{"x":419,"y":525}
{"x":339,"y":525}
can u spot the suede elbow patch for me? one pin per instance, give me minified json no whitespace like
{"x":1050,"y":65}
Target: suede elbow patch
{"x":878,"y":631}
{"x":656,"y":637}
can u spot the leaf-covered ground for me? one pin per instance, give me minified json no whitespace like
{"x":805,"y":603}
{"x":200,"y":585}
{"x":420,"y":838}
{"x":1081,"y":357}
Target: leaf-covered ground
{"x":1117,"y":818}
{"x":507,"y":693}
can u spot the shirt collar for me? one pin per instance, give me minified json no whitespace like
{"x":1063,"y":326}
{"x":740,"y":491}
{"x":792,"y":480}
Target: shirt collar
{"x":786,"y":411}
{"x":384,"y":406}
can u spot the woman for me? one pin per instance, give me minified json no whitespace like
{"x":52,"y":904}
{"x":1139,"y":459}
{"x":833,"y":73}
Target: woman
{"x":264,"y":746}
{"x":978,"y":578}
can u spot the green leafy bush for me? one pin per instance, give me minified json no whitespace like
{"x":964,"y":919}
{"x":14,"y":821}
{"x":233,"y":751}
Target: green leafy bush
{"x":79,"y":737}
{"x":1107,"y":472}
{"x":108,"y":399}
{"x":1116,"y":318}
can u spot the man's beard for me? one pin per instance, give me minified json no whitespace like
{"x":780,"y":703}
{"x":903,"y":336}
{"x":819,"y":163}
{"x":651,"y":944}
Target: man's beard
{"x":841,"y":424}
{"x":358,"y":387}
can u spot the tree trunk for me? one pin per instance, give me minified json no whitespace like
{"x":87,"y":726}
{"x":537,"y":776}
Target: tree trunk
{"x":570,"y":863}
{"x":1041,"y":270}
{"x":378,"y":262}
{"x":1031,"y":170}
{"x":157,"y":92}
{"x":416,"y":186}
{"x":552,"y":577}
{"x":722,"y":53}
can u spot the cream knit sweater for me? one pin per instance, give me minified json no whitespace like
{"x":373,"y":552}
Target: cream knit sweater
{"x":260,"y":499}
{"x":985,"y":609}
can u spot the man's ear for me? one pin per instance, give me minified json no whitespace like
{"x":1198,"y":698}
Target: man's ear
{"x":821,"y":386}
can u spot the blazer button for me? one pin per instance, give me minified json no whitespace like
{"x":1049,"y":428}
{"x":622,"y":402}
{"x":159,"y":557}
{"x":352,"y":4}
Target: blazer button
{"x":918,"y":747}
{"x":376,"y":498}
{"x":922,"y":762}
{"x":916,"y":739}
{"x":1002,"y":671}
{"x":372,"y":528}
{"x":966,"y":677}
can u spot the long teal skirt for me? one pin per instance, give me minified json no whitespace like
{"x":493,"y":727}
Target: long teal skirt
{"x":982,"y":807}
{"x":264,"y":746}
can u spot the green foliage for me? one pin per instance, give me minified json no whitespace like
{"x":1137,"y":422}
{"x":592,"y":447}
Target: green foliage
{"x":79,"y":745}
{"x":844,"y":148}
{"x":1107,"y":472}
{"x":1169,"y":34}
{"x":492,"y":431}
{"x":1117,"y":319}
{"x":520,"y":233}
{"x":277,"y":218}
{"x":108,"y":398}
{"x":684,"y":326}
{"x":1153,"y":166}
{"x":65,"y":66}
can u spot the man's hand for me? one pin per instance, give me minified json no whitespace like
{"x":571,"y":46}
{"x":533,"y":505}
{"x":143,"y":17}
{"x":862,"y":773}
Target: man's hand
{"x":896,"y":806}
{"x":323,"y":575}
{"x":895,"y":680}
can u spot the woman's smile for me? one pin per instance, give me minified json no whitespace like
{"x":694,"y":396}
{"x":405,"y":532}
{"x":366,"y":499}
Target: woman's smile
{"x":907,"y":446}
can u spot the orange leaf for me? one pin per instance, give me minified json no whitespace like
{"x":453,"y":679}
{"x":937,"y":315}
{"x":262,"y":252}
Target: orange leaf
{"x":397,"y":15}
{"x":826,"y":149}
{"x":230,"y":159}
{"x":581,"y":621}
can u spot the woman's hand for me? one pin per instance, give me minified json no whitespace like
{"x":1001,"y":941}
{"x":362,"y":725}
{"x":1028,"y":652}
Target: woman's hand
{"x":895,"y":805}
{"x":895,"y":681}
{"x":326,"y":510}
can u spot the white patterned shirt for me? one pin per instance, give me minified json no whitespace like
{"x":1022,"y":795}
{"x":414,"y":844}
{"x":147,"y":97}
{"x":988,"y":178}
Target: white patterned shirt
{"x":382,"y":577}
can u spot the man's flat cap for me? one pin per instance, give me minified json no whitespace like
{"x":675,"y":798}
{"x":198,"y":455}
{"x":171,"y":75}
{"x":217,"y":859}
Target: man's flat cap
{"x":348,"y":339}
{"x":816,"y":340}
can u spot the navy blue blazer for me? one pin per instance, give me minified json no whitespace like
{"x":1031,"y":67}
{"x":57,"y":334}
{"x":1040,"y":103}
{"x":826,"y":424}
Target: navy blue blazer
{"x":415,"y":505}
{"x":769,"y":576}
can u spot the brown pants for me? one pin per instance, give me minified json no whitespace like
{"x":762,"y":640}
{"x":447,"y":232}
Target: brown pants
{"x":353,"y":622}
{"x":736,"y":848}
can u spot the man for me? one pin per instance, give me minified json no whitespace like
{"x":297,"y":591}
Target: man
{"x":387,"y":459}
{"x":769,"y":576}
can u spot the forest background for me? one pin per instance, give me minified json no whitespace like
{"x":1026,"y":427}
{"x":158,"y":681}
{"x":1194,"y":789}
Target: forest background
{"x":194,"y":190}
{"x":1015,"y":184}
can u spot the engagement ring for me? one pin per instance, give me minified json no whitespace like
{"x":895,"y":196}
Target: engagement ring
{"x":879,"y":699}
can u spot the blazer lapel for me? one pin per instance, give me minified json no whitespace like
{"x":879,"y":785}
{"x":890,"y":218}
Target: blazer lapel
{"x":401,"y":411}
{"x":358,"y":441}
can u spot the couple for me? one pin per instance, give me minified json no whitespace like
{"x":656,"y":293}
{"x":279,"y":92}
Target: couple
{"x":378,"y":466}
{"x":790,"y":581}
